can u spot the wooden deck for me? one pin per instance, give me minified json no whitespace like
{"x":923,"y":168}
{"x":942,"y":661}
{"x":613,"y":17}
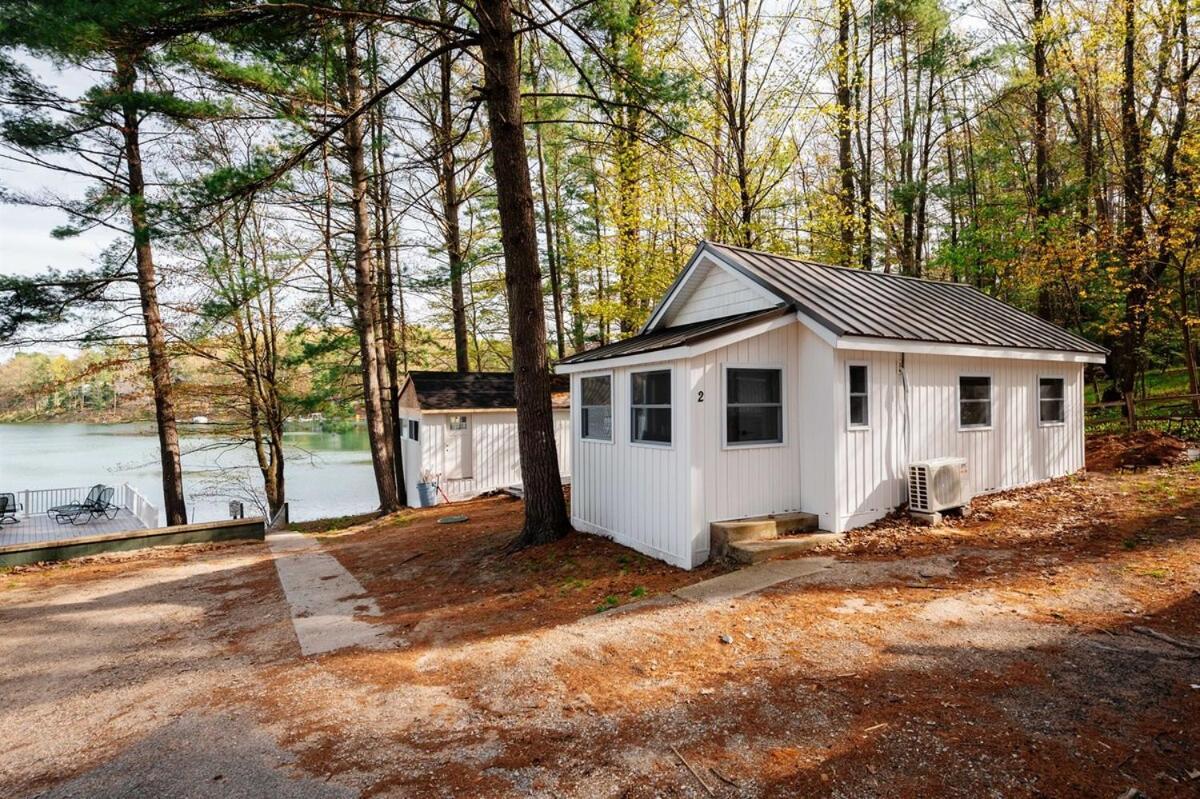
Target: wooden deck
{"x":40,"y":527}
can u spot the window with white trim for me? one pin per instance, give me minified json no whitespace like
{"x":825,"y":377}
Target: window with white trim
{"x":595,"y":409}
{"x":650,"y":404}
{"x":974,"y":401}
{"x":1052,"y":400}
{"x":856,"y":386}
{"x":457,"y":423}
{"x":753,"y":406}
{"x":414,"y":429}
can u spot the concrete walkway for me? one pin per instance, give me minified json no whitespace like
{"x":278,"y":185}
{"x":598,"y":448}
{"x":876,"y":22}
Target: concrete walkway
{"x":326,"y":600}
{"x":752,"y":578}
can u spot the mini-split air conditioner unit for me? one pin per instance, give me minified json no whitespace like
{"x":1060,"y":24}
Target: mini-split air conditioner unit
{"x":937,"y":484}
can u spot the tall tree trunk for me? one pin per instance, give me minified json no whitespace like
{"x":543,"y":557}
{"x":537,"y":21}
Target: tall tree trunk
{"x":365,"y":286}
{"x":451,"y":206}
{"x":1134,"y":233}
{"x":1041,"y":153}
{"x":846,"y":222}
{"x":390,"y":377}
{"x":156,"y":342}
{"x":545,"y":507}
{"x":553,"y":254}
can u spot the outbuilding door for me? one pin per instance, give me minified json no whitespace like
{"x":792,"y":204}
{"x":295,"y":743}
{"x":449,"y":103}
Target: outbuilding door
{"x":458,"y":455}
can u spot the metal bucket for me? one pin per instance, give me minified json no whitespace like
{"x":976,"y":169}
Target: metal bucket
{"x":427,"y":494}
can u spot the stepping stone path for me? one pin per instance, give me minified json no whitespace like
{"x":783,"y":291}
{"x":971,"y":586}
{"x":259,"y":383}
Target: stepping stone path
{"x":326,"y":601}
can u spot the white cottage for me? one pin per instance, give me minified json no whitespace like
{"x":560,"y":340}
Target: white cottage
{"x":461,"y":428}
{"x":764,"y":385}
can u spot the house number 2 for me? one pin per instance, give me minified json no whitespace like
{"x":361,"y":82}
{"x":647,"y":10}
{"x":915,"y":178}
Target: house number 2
{"x":699,"y":396}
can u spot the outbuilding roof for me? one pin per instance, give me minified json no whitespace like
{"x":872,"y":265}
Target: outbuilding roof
{"x":666,"y":338}
{"x":447,"y":391}
{"x":860,"y":302}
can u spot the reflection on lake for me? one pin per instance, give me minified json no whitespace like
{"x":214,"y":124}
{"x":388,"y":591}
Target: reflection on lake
{"x":327,"y":474}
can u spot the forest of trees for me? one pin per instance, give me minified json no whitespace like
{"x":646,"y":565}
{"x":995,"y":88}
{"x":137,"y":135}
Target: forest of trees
{"x":365,"y":186}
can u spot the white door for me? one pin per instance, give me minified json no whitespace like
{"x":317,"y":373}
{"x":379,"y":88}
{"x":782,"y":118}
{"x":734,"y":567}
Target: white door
{"x":458,"y":447}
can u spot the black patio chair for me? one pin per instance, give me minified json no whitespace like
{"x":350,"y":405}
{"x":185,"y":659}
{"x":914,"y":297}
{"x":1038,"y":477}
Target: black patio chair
{"x":97,"y":503}
{"x":8,"y":509}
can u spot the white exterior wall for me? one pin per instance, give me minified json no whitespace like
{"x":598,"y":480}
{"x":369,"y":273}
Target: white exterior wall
{"x":716,"y":292}
{"x":734,"y":482}
{"x":495,"y":455}
{"x":413,"y":460}
{"x":1016,"y":450}
{"x":636,"y":494}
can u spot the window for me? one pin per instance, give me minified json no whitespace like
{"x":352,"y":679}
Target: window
{"x":856,"y":379}
{"x":974,"y":402}
{"x":414,"y":429}
{"x":753,"y":406}
{"x":595,"y":408}
{"x":1051,"y":400}
{"x":651,"y":407}
{"x":403,"y":427}
{"x":457,"y":423}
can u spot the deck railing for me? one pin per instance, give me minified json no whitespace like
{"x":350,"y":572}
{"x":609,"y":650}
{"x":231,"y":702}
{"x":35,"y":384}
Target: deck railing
{"x":37,"y":501}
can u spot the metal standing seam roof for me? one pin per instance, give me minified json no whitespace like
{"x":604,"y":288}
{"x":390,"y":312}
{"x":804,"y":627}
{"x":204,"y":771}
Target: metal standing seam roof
{"x":669,"y":337}
{"x":859,"y":302}
{"x":446,"y":391}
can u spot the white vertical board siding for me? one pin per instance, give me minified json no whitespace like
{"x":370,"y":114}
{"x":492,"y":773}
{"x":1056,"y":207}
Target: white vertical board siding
{"x":735,"y":482}
{"x":412,"y":461}
{"x":716,"y":292}
{"x":636,"y":494}
{"x":496,"y":456}
{"x":1016,"y":450}
{"x":870,"y":461}
{"x":816,"y":399}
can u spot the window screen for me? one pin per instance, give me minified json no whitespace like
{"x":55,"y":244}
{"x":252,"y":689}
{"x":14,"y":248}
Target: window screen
{"x":753,"y":406}
{"x":974,"y":402}
{"x":651,"y":407}
{"x":595,"y":410}
{"x":857,"y":379}
{"x":1051,"y":400}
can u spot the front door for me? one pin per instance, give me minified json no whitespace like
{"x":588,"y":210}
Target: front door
{"x":458,"y":447}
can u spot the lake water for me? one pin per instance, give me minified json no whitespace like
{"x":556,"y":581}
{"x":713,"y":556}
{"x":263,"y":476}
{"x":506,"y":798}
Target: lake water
{"x":327,"y":474}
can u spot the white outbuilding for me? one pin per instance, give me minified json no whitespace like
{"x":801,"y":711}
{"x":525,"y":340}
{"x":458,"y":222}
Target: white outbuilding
{"x":770,"y":385}
{"x":459,"y":430}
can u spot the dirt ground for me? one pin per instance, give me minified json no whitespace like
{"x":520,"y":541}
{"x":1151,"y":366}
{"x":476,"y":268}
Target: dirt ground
{"x":1048,"y":644}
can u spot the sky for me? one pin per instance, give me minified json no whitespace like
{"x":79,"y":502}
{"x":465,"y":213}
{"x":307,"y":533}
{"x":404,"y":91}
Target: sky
{"x":26,"y":246}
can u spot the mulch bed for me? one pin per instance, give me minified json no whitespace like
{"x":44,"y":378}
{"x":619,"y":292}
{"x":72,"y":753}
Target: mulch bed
{"x":1109,"y":453}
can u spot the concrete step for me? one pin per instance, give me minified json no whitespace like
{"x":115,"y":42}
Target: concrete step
{"x":758,"y":528}
{"x":769,"y":549}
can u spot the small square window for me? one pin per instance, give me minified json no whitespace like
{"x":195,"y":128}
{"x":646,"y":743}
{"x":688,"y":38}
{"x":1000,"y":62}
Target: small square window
{"x":650,"y":394}
{"x":457,"y":423}
{"x":753,"y":406}
{"x":595,"y":408}
{"x":1052,"y":400}
{"x":856,"y":374}
{"x":974,"y":402}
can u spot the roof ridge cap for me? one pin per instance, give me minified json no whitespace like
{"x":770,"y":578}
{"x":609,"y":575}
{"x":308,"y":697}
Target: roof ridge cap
{"x":823,"y":265}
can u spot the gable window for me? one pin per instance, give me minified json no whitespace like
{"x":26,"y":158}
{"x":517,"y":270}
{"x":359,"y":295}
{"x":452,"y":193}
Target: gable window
{"x":974,"y":402}
{"x":1052,"y":400}
{"x":856,"y":383}
{"x":595,"y":409}
{"x":753,"y":406}
{"x":414,"y":429}
{"x":650,"y":394}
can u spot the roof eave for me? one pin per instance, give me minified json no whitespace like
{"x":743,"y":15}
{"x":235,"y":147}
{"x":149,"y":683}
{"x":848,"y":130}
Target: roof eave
{"x":875,"y":344}
{"x":753,"y":326}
